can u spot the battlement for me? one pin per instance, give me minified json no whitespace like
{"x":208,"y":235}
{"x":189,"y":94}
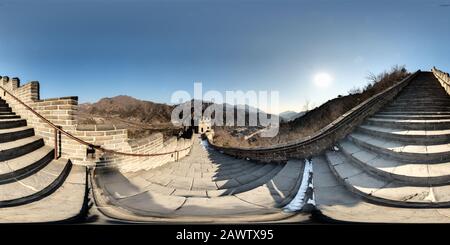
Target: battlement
{"x":62,"y":112}
{"x":204,"y":125}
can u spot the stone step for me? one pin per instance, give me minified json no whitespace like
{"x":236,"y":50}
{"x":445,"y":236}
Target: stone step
{"x":412,"y":91}
{"x":336,"y":203}
{"x":422,"y":100}
{"x":246,"y":184}
{"x":153,"y":204}
{"x":17,"y":148}
{"x":231,"y":168}
{"x":282,"y":187}
{"x":231,"y":165}
{"x":11,"y":134}
{"x":64,"y":204}
{"x":412,"y":116}
{"x":25,"y":165}
{"x":223,"y":175}
{"x":419,"y":103}
{"x":415,"y":111}
{"x":211,"y":172}
{"x":12,"y":123}
{"x":402,"y":151}
{"x":412,"y":124}
{"x":415,"y":174}
{"x":417,"y":108}
{"x":8,"y":116}
{"x":5,"y":108}
{"x":227,"y":164}
{"x":218,"y":187}
{"x":273,"y":194}
{"x":407,"y":136}
{"x":430,"y":113}
{"x":426,"y":84}
{"x":7,"y":113}
{"x":37,"y":186}
{"x":201,"y":187}
{"x":420,"y":89}
{"x":385,"y":192}
{"x":424,"y":93}
{"x":417,"y":90}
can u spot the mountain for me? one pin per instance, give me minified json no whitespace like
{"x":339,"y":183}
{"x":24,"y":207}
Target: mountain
{"x":141,"y":117}
{"x":291,"y":115}
{"x":317,"y":118}
{"x":127,"y":107}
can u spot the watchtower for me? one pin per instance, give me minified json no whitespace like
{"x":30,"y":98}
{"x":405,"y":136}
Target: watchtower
{"x":204,"y":125}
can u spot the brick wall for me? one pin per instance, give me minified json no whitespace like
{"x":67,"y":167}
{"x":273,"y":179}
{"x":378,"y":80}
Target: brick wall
{"x":61,"y":111}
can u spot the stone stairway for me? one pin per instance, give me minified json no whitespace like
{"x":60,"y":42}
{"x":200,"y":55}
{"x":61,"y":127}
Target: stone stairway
{"x":401,"y":155}
{"x":33,"y":186}
{"x":206,"y":185}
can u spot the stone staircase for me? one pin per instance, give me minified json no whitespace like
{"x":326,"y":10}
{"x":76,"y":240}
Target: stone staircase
{"x":206,"y":185}
{"x":401,"y":155}
{"x":33,"y":186}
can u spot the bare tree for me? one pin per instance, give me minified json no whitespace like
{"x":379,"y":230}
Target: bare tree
{"x":354,"y":90}
{"x":372,"y":78}
{"x":307,"y":105}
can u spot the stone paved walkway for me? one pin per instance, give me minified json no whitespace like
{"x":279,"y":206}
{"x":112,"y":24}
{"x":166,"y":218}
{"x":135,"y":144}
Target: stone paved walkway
{"x":205,"y":184}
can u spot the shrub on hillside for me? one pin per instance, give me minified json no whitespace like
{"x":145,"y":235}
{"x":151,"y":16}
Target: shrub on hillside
{"x":321,"y":116}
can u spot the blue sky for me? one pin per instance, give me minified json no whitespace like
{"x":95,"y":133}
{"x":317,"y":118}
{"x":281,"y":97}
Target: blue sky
{"x":149,"y":49}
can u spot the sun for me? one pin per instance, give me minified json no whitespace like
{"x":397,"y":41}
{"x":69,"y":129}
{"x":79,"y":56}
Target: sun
{"x":322,"y":80}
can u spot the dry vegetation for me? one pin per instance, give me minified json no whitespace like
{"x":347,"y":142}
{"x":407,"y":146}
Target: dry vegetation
{"x":141,"y":118}
{"x":317,"y":118}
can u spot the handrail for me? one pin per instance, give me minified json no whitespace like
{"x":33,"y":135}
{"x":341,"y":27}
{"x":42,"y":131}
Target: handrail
{"x":443,"y":78}
{"x":80,"y":141}
{"x":440,"y":74}
{"x":324,"y":132}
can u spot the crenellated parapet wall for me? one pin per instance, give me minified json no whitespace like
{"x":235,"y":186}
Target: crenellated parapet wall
{"x":178,"y":147}
{"x":62,"y":112}
{"x":443,"y":78}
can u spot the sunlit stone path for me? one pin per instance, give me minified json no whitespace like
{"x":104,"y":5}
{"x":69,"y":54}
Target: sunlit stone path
{"x":204,"y":186}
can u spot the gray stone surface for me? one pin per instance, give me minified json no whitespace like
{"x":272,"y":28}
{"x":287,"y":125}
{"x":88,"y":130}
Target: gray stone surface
{"x":30,"y":184}
{"x":336,"y":202}
{"x":152,"y":203}
{"x":400,"y":156}
{"x":63,"y":204}
{"x":247,"y":188}
{"x":34,"y":188}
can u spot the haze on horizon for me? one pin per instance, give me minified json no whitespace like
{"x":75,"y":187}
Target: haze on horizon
{"x":307,"y":50}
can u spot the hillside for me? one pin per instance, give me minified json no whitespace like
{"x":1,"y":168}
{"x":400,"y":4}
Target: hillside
{"x":127,"y":107}
{"x":141,"y":117}
{"x":317,"y":118}
{"x":290,"y":115}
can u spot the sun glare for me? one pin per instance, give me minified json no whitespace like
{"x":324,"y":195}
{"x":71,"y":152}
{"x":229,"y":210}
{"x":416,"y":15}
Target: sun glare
{"x":322,"y":80}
